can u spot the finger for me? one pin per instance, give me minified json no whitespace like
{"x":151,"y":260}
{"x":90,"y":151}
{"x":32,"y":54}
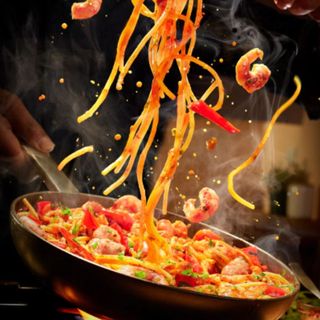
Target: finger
{"x":13,"y":159}
{"x":10,"y":147}
{"x":284,"y":4}
{"x":26,"y":127}
{"x":303,"y":7}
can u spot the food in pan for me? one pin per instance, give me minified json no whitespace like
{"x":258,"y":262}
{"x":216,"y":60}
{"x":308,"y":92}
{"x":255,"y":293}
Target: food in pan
{"x":110,"y":236}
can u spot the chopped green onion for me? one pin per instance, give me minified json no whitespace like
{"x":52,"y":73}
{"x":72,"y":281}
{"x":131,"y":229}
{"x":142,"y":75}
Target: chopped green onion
{"x":187,"y":272}
{"x":140,"y":274}
{"x":120,"y":256}
{"x":130,"y":244}
{"x":204,"y":275}
{"x":75,"y":229}
{"x":94,"y":245}
{"x":66,"y":211}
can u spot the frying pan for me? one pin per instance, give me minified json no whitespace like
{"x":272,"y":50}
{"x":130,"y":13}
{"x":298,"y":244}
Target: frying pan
{"x":100,"y":290}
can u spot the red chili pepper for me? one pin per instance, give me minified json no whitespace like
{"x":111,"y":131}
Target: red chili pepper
{"x":123,"y":237}
{"x":195,"y":265}
{"x":89,"y":220}
{"x":252,"y":252}
{"x":122,"y":218}
{"x":205,"y":111}
{"x":274,"y":292}
{"x":43,"y":207}
{"x":75,"y":246}
{"x":186,"y":280}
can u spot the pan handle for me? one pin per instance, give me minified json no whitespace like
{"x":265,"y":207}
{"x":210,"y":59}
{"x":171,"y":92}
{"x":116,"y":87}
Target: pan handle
{"x":54,"y":179}
{"x":304,"y":279}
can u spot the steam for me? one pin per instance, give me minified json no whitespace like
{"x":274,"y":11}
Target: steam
{"x":69,"y":68}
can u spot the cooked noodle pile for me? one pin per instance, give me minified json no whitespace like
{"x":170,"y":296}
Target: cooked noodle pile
{"x":110,"y":236}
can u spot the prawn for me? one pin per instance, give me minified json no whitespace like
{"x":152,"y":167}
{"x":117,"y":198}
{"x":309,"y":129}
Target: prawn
{"x":85,"y":10}
{"x":209,"y":203}
{"x":255,"y":79}
{"x":165,"y":228}
{"x":128,"y":203}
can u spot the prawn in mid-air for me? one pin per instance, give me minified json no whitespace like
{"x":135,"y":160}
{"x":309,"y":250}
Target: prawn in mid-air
{"x":209,"y":203}
{"x":254,"y":79}
{"x":86,"y":9}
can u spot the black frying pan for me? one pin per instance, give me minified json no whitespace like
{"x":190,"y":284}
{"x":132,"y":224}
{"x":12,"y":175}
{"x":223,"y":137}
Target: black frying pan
{"x":100,"y":290}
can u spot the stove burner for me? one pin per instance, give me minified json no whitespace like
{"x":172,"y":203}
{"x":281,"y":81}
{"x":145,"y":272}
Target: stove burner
{"x":18,"y":301}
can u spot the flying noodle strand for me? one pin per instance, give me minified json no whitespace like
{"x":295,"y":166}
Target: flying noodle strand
{"x":260,"y":146}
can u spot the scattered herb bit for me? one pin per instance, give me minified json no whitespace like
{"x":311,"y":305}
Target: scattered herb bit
{"x":204,"y":275}
{"x":75,"y":229}
{"x":188,"y":272}
{"x":130,"y":244}
{"x":66,"y":211}
{"x":121,"y":256}
{"x":140,"y":274}
{"x":94,"y":245}
{"x":210,"y":243}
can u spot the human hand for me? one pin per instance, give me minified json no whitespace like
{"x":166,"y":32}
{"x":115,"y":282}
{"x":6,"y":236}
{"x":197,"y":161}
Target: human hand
{"x":301,"y":7}
{"x":18,"y":126}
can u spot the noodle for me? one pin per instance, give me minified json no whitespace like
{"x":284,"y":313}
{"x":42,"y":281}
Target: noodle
{"x":74,"y":155}
{"x":31,"y":209}
{"x":260,"y":146}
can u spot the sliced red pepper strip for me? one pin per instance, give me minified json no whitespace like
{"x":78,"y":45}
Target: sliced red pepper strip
{"x":122,"y":218}
{"x":195,"y":265}
{"x":275,"y":292}
{"x":75,"y":246}
{"x":43,"y":207}
{"x":252,"y":252}
{"x":89,"y":221}
{"x":190,"y":279}
{"x":201,"y":108}
{"x":185,"y":280}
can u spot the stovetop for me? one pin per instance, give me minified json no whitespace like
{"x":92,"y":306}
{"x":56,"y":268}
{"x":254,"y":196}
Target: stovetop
{"x":22,"y":295}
